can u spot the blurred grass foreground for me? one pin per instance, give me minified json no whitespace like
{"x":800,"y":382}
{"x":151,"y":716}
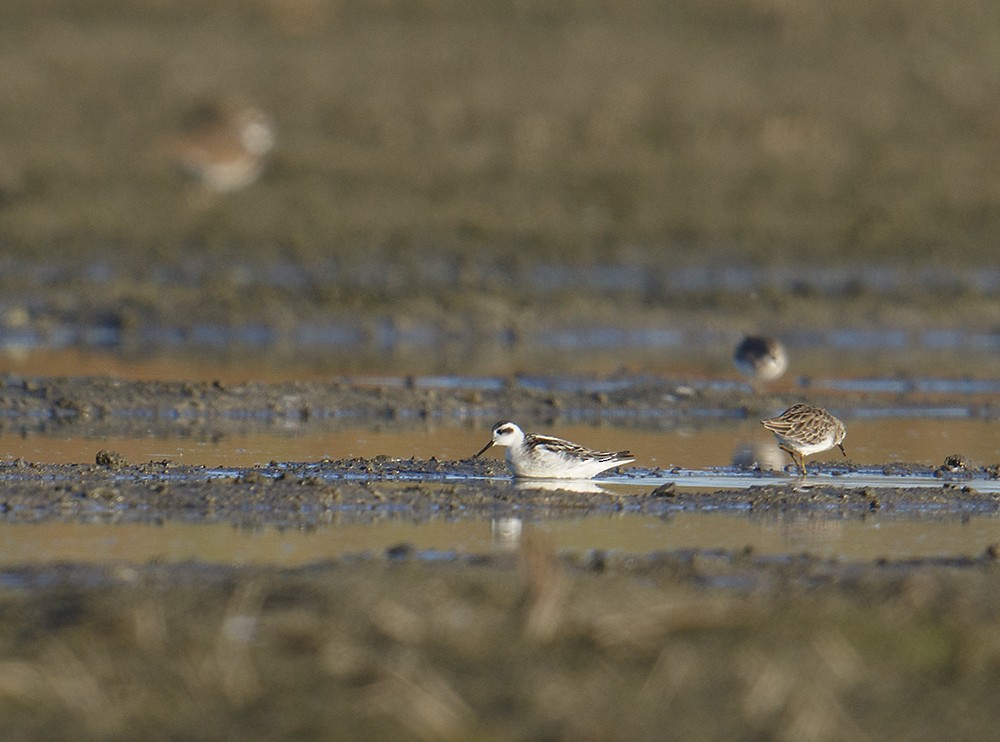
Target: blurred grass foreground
{"x":701,"y":646}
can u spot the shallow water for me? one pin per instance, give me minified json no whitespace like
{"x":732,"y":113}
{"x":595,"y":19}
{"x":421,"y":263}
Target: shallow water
{"x":319,"y":354}
{"x":871,"y":537}
{"x":871,"y":440}
{"x":923,"y":431}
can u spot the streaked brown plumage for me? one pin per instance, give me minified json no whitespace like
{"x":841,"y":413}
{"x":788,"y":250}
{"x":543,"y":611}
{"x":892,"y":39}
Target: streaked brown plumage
{"x":803,"y":429}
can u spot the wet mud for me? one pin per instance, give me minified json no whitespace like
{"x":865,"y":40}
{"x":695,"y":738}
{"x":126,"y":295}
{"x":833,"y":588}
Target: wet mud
{"x":368,"y":490}
{"x":109,"y":487}
{"x":285,"y":492}
{"x":113,"y":406}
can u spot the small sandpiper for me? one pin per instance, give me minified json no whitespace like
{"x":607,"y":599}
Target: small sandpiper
{"x":223,"y":145}
{"x":545,"y":457}
{"x":761,"y":358}
{"x":802,"y":430}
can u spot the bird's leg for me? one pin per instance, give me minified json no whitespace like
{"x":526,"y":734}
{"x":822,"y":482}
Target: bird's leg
{"x":790,"y":452}
{"x":802,"y":463}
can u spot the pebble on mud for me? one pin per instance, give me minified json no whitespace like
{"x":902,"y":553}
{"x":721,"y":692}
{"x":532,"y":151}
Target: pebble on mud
{"x":110,"y":459}
{"x":955,"y":462}
{"x":665,"y":490}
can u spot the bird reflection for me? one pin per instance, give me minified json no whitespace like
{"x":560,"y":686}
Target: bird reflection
{"x":811,"y":532}
{"x":506,"y":532}
{"x":759,"y":455}
{"x":760,"y":359}
{"x":585,"y":486}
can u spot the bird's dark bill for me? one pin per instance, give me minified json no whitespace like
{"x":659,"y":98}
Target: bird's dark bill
{"x":483,"y":450}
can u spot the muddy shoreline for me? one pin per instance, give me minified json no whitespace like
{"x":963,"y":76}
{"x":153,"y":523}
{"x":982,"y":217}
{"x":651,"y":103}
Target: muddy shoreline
{"x":106,"y":406}
{"x":108,"y":487}
{"x":367,"y":490}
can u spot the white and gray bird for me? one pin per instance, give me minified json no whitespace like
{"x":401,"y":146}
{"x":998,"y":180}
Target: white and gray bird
{"x":546,"y":457}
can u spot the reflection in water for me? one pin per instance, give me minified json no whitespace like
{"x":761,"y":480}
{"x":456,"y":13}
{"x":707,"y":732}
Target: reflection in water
{"x":760,"y":454}
{"x":562,"y":485}
{"x":506,"y":533}
{"x":812,"y":534}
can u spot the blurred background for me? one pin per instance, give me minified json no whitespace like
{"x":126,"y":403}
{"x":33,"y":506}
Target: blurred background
{"x":445,"y":185}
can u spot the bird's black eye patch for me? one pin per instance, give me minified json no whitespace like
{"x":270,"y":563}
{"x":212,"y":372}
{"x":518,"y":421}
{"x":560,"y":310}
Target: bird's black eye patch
{"x":505,"y":431}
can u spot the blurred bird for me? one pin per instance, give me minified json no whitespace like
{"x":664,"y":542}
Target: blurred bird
{"x":760,"y":358}
{"x":223,"y":145}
